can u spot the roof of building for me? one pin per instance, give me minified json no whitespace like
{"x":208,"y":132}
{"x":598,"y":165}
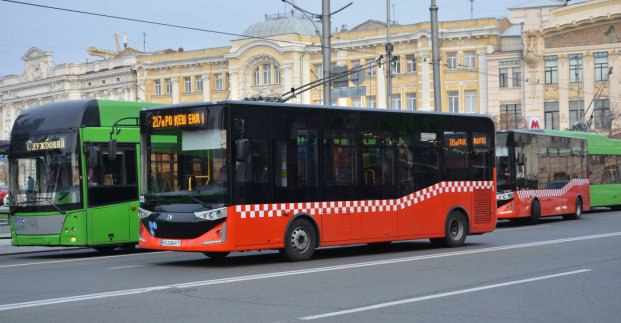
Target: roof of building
{"x":283,"y":24}
{"x":540,"y":3}
{"x":514,"y":30}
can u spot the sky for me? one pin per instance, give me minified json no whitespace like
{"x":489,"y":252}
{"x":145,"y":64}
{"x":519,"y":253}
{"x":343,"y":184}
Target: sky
{"x":68,"y":35}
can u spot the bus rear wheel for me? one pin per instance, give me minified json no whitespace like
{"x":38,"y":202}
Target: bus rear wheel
{"x":455,"y":231}
{"x":216,"y":255}
{"x":300,"y":241}
{"x":105,"y":249}
{"x":576,"y":215}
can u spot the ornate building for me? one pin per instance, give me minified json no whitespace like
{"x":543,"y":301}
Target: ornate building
{"x":559,"y":72}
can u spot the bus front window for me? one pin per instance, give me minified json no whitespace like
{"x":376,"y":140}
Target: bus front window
{"x":505,"y":175}
{"x":45,"y":173}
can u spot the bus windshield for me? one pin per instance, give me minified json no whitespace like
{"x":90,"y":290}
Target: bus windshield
{"x":45,"y":173}
{"x":186,"y":161}
{"x":504,"y":167}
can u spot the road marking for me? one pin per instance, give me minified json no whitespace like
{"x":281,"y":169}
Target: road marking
{"x":294,"y":272}
{"x":428,"y":297}
{"x":123,"y":267}
{"x":80,"y":259}
{"x":523,"y":228}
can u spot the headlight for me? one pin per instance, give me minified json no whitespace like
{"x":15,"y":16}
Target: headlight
{"x":211,"y":214}
{"x":142,"y":213}
{"x":504,"y":197}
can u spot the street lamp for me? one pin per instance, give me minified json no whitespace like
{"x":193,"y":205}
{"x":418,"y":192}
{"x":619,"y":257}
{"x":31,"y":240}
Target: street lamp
{"x":325,"y":40}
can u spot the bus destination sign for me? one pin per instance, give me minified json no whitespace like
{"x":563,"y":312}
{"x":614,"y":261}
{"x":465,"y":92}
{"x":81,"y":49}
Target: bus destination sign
{"x":178,"y":119}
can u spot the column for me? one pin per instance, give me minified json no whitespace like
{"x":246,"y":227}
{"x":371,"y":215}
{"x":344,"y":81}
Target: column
{"x":563,"y":91}
{"x":206,"y":87}
{"x":234,"y":87}
{"x":175,"y":90}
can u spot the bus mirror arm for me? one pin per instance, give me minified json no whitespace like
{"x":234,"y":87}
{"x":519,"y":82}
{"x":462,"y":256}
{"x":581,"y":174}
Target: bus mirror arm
{"x":112,"y":149}
{"x":243,"y":150}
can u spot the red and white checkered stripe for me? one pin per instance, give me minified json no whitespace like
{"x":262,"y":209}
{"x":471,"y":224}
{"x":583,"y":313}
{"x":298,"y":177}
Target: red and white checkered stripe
{"x":313,"y":208}
{"x":553,"y":192}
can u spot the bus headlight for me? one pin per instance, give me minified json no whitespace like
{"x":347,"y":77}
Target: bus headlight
{"x":211,"y":214}
{"x":142,"y":213}
{"x":504,"y":197}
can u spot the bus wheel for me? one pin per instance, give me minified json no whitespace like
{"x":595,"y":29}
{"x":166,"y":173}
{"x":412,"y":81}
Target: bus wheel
{"x":105,"y":249}
{"x":216,"y":255}
{"x":535,"y":213}
{"x":455,"y":231}
{"x":578,"y":214}
{"x":300,"y":241}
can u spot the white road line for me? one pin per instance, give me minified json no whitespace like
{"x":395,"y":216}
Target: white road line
{"x":428,"y":297}
{"x":123,"y":267}
{"x":77,"y":298}
{"x":523,"y":228}
{"x":80,"y":259}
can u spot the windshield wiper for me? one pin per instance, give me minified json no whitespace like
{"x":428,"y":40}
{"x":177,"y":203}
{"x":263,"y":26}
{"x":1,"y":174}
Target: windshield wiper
{"x":47,"y":199}
{"x":199,"y":201}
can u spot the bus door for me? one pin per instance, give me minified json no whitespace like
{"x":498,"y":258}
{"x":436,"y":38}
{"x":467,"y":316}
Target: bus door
{"x":112,"y":193}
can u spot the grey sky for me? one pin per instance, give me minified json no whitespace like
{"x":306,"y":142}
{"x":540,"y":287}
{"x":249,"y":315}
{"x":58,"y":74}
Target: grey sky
{"x":68,"y":35}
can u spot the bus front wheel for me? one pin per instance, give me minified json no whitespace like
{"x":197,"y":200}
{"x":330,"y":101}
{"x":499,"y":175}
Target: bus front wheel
{"x":300,"y":241}
{"x":455,"y":231}
{"x":535,"y":213}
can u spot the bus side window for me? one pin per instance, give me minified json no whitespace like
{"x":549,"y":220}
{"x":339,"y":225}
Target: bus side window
{"x":111,"y":181}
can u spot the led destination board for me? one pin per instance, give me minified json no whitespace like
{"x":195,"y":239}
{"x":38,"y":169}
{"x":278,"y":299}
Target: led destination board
{"x":178,"y":119}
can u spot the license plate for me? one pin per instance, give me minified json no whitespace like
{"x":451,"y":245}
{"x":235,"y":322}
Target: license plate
{"x":171,"y":243}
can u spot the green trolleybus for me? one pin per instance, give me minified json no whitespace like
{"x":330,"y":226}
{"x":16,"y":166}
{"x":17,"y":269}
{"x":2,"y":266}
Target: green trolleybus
{"x":65,"y":187}
{"x":604,"y":164}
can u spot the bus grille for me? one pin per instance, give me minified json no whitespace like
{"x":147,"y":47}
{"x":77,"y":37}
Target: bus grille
{"x":482,"y":209}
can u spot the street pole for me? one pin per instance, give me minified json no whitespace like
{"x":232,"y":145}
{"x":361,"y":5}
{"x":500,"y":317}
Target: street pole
{"x":326,"y":50}
{"x":389,"y":49}
{"x":435,"y":57}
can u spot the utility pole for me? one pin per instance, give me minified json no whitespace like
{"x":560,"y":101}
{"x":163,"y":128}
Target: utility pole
{"x":389,"y":49}
{"x":435,"y":57}
{"x":326,"y":50}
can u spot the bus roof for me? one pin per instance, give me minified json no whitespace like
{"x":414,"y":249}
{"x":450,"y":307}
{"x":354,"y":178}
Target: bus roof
{"x":74,"y":114}
{"x":597,"y":143}
{"x":325,"y":107}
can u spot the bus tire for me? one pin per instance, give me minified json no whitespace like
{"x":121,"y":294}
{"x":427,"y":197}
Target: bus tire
{"x":455,"y":231}
{"x":576,"y":215}
{"x":105,"y":249}
{"x":300,"y":240}
{"x":216,"y":255}
{"x":535,"y":213}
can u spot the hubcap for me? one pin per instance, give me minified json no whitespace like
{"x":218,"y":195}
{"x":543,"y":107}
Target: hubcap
{"x":299,"y":239}
{"x":455,"y":229}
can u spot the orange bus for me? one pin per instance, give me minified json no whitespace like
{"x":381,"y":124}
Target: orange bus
{"x":541,"y":174}
{"x":232,"y":176}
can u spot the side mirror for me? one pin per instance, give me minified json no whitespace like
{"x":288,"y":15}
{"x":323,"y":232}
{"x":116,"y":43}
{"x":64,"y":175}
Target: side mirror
{"x":93,"y":156}
{"x":243,"y":149}
{"x":112,"y":149}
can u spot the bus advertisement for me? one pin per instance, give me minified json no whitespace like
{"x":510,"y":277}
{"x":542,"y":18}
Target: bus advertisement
{"x":541,"y":174}
{"x":65,"y":189}
{"x":238,"y":176}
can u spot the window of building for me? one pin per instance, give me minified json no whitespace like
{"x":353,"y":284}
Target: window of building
{"x":318,"y":71}
{"x":158,"y":87}
{"x":503,"y":75}
{"x":257,"y":76}
{"x":396,"y":65}
{"x":199,"y":83}
{"x":601,"y":114}
{"x":187,"y":82}
{"x":575,"y":68}
{"x":276,"y":75}
{"x":453,"y":101}
{"x":411,"y":101}
{"x":372,"y":70}
{"x":517,"y":76}
{"x":510,"y":116}
{"x":411,"y":63}
{"x":551,"y":69}
{"x":267,"y":74}
{"x":371,"y":103}
{"x":168,"y":86}
{"x":356,"y":102}
{"x":551,"y":110}
{"x":451,"y":61}
{"x":601,"y":66}
{"x":395,"y":101}
{"x":471,"y":101}
{"x":219,"y":82}
{"x":469,"y":60}
{"x":576,"y":109}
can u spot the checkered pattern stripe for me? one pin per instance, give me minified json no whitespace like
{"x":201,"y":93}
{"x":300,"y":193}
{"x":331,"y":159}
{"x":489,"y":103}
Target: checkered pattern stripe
{"x":314,"y":208}
{"x":553,"y":192}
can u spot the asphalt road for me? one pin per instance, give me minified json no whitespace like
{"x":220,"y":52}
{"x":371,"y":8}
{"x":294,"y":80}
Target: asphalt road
{"x":557,"y":271}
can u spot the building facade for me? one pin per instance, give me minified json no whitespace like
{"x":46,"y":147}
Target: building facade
{"x":562,"y":73}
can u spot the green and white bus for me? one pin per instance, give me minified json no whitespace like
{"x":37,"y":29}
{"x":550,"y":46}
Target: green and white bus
{"x":604,"y":167}
{"x":66,"y":187}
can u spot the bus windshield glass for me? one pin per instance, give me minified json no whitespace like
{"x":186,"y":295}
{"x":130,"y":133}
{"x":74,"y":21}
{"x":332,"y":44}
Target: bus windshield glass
{"x":504,"y":166}
{"x":186,"y":158}
{"x":45,"y":172}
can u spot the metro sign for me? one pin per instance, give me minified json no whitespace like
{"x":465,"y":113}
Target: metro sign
{"x":533,"y":123}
